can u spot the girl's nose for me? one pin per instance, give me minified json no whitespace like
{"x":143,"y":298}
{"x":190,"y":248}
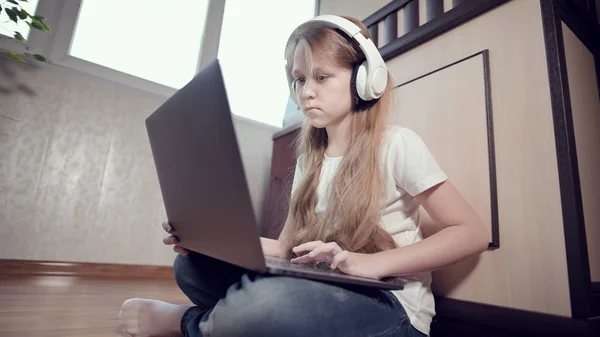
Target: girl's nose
{"x":308,"y":91}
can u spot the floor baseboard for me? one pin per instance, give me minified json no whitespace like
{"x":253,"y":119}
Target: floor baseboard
{"x":462,"y":318}
{"x":32,"y":267}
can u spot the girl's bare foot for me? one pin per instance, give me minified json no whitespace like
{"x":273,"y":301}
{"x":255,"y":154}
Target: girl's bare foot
{"x":147,"y":318}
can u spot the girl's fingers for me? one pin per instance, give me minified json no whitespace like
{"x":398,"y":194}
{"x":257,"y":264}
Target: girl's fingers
{"x":167,"y":227}
{"x":308,"y":246}
{"x":331,"y":248}
{"x":316,"y":255}
{"x":317,"y":251}
{"x":180,"y":250}
{"x":170,"y":240}
{"x":302,"y":259}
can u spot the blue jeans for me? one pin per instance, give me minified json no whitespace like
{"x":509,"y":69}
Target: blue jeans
{"x":233,"y":301}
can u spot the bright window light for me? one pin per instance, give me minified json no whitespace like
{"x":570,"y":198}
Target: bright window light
{"x":155,"y":40}
{"x":251,"y":53}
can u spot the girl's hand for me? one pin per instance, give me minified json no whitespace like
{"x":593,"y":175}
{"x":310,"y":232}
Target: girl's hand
{"x":173,"y":239}
{"x":356,"y":264}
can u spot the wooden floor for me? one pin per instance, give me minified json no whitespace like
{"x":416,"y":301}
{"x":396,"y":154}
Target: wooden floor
{"x":69,"y":306}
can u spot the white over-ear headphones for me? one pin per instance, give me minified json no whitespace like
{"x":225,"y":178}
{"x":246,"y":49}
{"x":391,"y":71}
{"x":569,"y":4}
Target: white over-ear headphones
{"x":371,"y":75}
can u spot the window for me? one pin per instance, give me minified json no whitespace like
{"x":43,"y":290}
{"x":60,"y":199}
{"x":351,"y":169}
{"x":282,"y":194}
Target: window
{"x":251,"y":52}
{"x":158,"y":46}
{"x":156,"y":40}
{"x":8,"y":27}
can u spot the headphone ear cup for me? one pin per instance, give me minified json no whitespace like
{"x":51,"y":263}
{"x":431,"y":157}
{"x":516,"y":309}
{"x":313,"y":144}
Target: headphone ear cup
{"x":358,"y":86}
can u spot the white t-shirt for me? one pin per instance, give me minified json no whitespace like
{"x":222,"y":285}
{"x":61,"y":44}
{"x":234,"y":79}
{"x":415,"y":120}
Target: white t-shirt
{"x":409,"y":168}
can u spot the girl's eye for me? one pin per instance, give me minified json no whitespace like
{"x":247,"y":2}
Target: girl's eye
{"x":320,"y":78}
{"x":299,"y":80}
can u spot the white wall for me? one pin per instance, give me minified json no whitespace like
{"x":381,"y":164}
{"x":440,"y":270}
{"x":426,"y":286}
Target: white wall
{"x":77,"y":179}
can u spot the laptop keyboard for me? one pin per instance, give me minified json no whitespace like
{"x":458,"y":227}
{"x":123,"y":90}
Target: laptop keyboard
{"x":317,"y":265}
{"x":321,"y":267}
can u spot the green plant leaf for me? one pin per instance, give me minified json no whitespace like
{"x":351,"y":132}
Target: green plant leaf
{"x":0,"y":9}
{"x":13,"y":56}
{"x":13,"y":2}
{"x":27,"y":55}
{"x":37,"y":25}
{"x":11,"y":14}
{"x":39,"y":17}
{"x":29,"y":24}
{"x":45,"y":27}
{"x":19,"y":37}
{"x":39,"y":57}
{"x":23,"y":14}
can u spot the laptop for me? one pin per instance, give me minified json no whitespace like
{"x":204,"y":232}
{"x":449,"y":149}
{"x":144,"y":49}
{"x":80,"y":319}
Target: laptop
{"x":204,"y":187}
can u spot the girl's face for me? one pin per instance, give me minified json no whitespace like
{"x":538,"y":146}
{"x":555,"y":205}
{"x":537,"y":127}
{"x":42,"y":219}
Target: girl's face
{"x":323,"y":95}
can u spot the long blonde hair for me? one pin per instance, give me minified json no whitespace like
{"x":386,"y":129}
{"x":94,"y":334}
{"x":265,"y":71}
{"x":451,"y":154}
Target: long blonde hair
{"x":352,"y":218}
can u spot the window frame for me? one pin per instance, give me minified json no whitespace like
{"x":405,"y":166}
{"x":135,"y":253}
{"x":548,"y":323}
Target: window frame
{"x":62,"y":15}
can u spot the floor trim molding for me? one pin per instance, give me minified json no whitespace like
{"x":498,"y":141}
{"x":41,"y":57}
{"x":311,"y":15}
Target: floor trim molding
{"x":463,"y":318}
{"x":66,"y":268}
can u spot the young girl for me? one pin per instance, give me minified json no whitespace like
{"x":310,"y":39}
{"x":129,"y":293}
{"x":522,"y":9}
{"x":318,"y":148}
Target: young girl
{"x":356,"y":192}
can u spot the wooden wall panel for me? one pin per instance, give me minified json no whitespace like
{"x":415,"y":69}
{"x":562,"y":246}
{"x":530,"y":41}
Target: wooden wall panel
{"x":585,"y":107}
{"x":529,"y":269}
{"x":283,"y":163}
{"x":449,"y":109}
